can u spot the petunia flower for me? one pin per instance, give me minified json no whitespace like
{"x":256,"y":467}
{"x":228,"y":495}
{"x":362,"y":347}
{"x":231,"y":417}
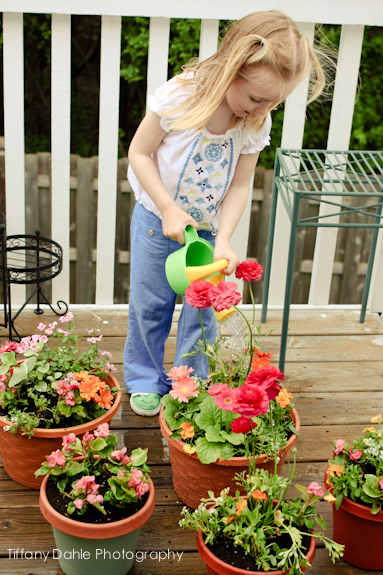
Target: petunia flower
{"x":183,"y":389}
{"x":198,"y":294}
{"x":224,"y":295}
{"x":177,"y":373}
{"x":249,"y":270}
{"x":339,"y":446}
{"x":315,"y":488}
{"x":227,"y":399}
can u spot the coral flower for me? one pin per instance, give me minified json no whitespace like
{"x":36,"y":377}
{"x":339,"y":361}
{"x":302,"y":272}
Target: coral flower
{"x":230,"y":519}
{"x":187,"y":430}
{"x":90,"y":385}
{"x":249,"y":270}
{"x":224,"y":296}
{"x":260,"y":360}
{"x":339,"y":446}
{"x":315,"y":488}
{"x":198,"y":294}
{"x":183,"y":389}
{"x":105,"y":399}
{"x":356,"y":455}
{"x":241,"y":504}
{"x":259,"y":495}
{"x":56,"y":458}
{"x":283,"y":398}
{"x":227,"y":399}
{"x":177,"y":373}
{"x":217,"y":388}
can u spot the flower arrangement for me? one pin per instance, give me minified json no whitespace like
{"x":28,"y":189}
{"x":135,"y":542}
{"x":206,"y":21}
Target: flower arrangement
{"x":47,"y":387}
{"x":356,"y":471}
{"x":212,"y":417}
{"x":92,"y":474}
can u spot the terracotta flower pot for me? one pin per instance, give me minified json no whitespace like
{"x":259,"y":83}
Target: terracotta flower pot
{"x":22,"y":456}
{"x":361,"y":533}
{"x":95,"y":548}
{"x":192,"y":479}
{"x":215,"y":566}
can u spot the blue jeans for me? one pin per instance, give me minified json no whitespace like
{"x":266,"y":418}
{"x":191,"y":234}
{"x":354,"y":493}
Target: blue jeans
{"x":151,"y":307}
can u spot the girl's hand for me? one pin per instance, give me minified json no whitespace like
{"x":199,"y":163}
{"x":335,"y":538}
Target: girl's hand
{"x":222,"y":250}
{"x":174,"y":222}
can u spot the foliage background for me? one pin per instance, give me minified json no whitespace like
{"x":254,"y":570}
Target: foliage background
{"x":367,"y":130}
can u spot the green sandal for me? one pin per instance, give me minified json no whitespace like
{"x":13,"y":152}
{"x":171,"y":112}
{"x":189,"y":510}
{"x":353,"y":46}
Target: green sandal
{"x":148,"y":404}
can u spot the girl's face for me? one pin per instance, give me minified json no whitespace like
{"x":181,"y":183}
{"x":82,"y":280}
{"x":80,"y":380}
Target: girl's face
{"x":257,"y":94}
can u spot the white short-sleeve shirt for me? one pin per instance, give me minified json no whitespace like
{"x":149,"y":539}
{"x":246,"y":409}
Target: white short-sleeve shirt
{"x":196,"y":167}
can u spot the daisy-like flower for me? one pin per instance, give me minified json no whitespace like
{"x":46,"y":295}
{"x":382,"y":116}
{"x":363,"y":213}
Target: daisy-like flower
{"x":104,"y":399}
{"x":177,"y":373}
{"x":90,"y":385}
{"x":217,"y":388}
{"x":183,"y":389}
{"x":260,"y":360}
{"x":227,"y":399}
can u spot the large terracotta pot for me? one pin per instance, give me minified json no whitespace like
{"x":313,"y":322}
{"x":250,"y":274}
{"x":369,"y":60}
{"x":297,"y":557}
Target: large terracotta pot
{"x":95,"y":548}
{"x":215,"y":566}
{"x":361,"y":532}
{"x":22,"y":456}
{"x":192,"y":479}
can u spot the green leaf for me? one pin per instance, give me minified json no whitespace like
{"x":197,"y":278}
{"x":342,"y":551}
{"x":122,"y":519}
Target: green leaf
{"x":321,"y":522}
{"x":171,"y":408}
{"x":19,"y":373}
{"x":98,"y":444}
{"x":209,"y":415}
{"x":79,"y":410}
{"x":139,"y":456}
{"x":63,"y":408}
{"x":213,"y":433}
{"x":76,"y":467}
{"x":41,"y":386}
{"x":376,"y":507}
{"x":227,"y":451}
{"x":30,"y":362}
{"x":207,"y":452}
{"x":58,"y":374}
{"x":5,"y":367}
{"x":8,"y":357}
{"x":293,"y":430}
{"x":233,"y":438}
{"x":310,"y":523}
{"x":44,"y":368}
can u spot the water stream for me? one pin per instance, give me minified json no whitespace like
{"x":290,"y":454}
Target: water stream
{"x":232,"y":327}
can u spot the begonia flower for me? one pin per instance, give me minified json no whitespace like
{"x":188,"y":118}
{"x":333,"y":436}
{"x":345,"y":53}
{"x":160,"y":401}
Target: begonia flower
{"x":67,"y":440}
{"x":356,"y":454}
{"x":3,"y":387}
{"x":339,"y":446}
{"x":198,"y":294}
{"x":224,"y":296}
{"x":92,"y":498}
{"x":141,"y":489}
{"x":69,"y":398}
{"x":102,"y":430}
{"x":56,"y":458}
{"x":381,"y":483}
{"x":135,"y":478}
{"x":79,"y":503}
{"x":183,"y":389}
{"x":88,"y":436}
{"x":119,"y":453}
{"x":249,"y":270}
{"x":84,"y":481}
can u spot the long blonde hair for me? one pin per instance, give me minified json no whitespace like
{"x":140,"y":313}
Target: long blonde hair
{"x":263,"y":38}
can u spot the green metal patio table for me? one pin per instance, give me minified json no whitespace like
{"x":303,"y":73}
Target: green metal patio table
{"x":325,"y":176}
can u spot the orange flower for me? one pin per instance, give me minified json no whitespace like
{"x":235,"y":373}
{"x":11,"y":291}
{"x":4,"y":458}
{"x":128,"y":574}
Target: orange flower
{"x":260,"y":360}
{"x":187,"y":430}
{"x":330,"y":498}
{"x":283,"y":398}
{"x":336,"y":470}
{"x":230,"y":519}
{"x":240,"y":505}
{"x":89,"y":386}
{"x":105,"y":399}
{"x":260,"y":495}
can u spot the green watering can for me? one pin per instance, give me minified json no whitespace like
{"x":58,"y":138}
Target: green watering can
{"x":193,"y":262}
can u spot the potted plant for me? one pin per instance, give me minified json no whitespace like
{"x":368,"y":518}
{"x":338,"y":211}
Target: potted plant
{"x":205,"y":421}
{"x":48,"y":391}
{"x":96,"y":499}
{"x":355,"y":477}
{"x":259,"y":531}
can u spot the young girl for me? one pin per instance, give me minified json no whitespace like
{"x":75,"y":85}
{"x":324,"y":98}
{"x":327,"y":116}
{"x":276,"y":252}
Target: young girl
{"x":191,"y":163}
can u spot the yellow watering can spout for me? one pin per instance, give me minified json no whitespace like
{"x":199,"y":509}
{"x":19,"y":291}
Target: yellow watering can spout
{"x":197,"y":273}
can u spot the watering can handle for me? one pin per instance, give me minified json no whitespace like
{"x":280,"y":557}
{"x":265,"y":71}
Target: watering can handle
{"x":190,"y":234}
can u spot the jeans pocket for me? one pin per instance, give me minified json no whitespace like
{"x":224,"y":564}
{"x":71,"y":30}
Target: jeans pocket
{"x":152,"y":241}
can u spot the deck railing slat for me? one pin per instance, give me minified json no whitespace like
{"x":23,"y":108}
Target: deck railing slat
{"x":209,"y":38}
{"x":158,"y":54}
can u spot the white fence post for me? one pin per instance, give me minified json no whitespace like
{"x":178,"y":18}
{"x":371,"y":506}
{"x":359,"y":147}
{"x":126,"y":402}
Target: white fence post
{"x":208,"y":42}
{"x":158,"y":55}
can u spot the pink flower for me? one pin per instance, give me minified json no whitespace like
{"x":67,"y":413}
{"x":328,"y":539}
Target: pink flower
{"x":125,"y":460}
{"x":53,"y":325}
{"x":74,"y":384}
{"x":339,"y":445}
{"x":107,"y":353}
{"x":242,"y":425}
{"x":3,"y":387}
{"x":119,"y":454}
{"x":21,"y":348}
{"x":49,"y":331}
{"x":56,"y":458}
{"x":266,"y":378}
{"x":249,"y":271}
{"x":79,"y":503}
{"x":135,"y":478}
{"x":43,"y":338}
{"x":217,"y":388}
{"x":183,"y":389}
{"x":110,"y":367}
{"x":253,"y":400}
{"x":356,"y":455}
{"x":121,"y":472}
{"x":177,"y":373}
{"x":41,"y":326}
{"x":91,"y":339}
{"x":84,"y":481}
{"x":102,"y":430}
{"x":69,"y":398}
{"x":67,"y":440}
{"x":198,"y":294}
{"x":88,"y":436}
{"x":224,"y":296}
{"x":381,"y":483}
{"x":65,"y":333}
{"x":141,"y":489}
{"x":315,"y":488}
{"x":227,"y":399}
{"x":8,"y":346}
{"x":66,"y":318}
{"x":62,"y":387}
{"x":92,"y":499}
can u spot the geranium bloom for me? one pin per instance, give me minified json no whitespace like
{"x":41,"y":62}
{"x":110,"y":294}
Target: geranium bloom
{"x":141,"y":489}
{"x":283,"y":398}
{"x":252,"y":399}
{"x":241,"y":504}
{"x":119,"y":454}
{"x":315,"y":488}
{"x":183,"y":389}
{"x":227,"y":399}
{"x":198,"y":294}
{"x":135,"y":478}
{"x":242,"y":425}
{"x":356,"y":455}
{"x":69,"y":398}
{"x":339,"y":446}
{"x":217,"y":388}
{"x":187,"y":430}
{"x":249,"y":271}
{"x":177,"y":373}
{"x":67,"y":440}
{"x":79,"y":503}
{"x":224,"y":296}
{"x":259,"y":495}
{"x":260,"y":360}
{"x":105,"y":399}
{"x":8,"y":346}
{"x":267,"y":379}
{"x":102,"y":430}
{"x":56,"y":458}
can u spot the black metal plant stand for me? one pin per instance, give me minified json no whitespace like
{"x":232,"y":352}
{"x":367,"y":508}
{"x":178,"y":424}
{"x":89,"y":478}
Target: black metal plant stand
{"x":27,"y":259}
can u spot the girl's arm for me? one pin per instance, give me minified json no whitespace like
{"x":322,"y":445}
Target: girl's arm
{"x":232,"y":208}
{"x":146,"y":139}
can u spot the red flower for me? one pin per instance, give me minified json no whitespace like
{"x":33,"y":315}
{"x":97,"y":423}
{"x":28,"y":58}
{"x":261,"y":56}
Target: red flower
{"x":249,"y":271}
{"x":266,"y":379}
{"x":253,"y":400}
{"x":224,"y":295}
{"x":242,"y":425}
{"x":8,"y":346}
{"x":198,"y":294}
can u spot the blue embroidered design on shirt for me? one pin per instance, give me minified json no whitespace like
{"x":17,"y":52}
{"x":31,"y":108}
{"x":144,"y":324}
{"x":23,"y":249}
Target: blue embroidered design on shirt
{"x":189,"y":181}
{"x":186,"y":163}
{"x":224,"y":163}
{"x":184,"y":199}
{"x":199,"y":171}
{"x":195,"y":213}
{"x":210,"y":197}
{"x":225,"y":144}
{"x":204,"y":185}
{"x":218,"y":186}
{"x":211,"y":208}
{"x":210,"y":168}
{"x":213,"y":152}
{"x":200,"y":201}
{"x":197,"y":158}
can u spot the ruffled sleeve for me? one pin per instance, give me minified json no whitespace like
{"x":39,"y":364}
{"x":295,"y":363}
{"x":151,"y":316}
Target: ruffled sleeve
{"x":256,"y":141}
{"x":166,"y":96}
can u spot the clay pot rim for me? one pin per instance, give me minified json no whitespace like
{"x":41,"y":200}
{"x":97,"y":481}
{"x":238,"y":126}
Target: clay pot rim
{"x":77,"y":429}
{"x":94,"y":530}
{"x":354,"y":508}
{"x":225,"y":569}
{"x":234,"y":461}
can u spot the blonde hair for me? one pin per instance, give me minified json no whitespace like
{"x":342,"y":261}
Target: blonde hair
{"x":261,"y":39}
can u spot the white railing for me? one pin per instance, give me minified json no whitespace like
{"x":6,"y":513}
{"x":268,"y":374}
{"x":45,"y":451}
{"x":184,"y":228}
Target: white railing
{"x":353,"y":15}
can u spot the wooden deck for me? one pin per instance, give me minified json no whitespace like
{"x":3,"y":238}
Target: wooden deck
{"x":334,"y":370}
